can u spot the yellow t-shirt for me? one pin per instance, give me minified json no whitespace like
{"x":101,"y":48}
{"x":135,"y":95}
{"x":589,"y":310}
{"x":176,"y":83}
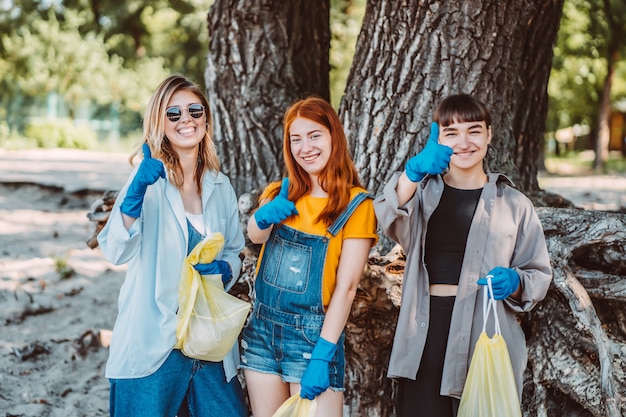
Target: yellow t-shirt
{"x":360,"y":225}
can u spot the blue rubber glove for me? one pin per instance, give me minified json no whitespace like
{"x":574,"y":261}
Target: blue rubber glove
{"x":216,"y":268}
{"x":150,"y":170}
{"x":316,"y":378}
{"x":504,"y":281}
{"x":276,"y":210}
{"x":433,"y":159}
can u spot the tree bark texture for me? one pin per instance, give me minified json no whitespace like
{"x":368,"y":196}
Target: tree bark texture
{"x":263,"y":55}
{"x":531,"y":104}
{"x":410,"y":55}
{"x":576,"y":337}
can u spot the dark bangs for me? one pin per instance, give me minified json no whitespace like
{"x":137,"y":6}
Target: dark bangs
{"x":461,"y":108}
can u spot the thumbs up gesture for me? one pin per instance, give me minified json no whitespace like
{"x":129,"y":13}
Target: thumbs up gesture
{"x":433,"y":159}
{"x":149,"y":171}
{"x":276,"y":210}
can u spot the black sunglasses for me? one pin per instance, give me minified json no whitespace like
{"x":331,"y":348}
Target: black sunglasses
{"x":174,"y":113}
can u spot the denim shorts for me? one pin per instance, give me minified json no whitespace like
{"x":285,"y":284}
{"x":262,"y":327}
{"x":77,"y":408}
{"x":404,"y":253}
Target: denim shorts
{"x":280,"y":343}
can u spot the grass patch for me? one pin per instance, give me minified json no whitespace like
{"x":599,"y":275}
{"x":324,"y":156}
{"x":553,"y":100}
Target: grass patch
{"x":63,"y":269}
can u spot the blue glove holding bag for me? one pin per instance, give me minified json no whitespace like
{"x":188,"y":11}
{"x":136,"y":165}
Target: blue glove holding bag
{"x":433,"y":159}
{"x":316,"y":377}
{"x":504,"y":281}
{"x":150,"y":170}
{"x":276,"y":210}
{"x":216,"y":267}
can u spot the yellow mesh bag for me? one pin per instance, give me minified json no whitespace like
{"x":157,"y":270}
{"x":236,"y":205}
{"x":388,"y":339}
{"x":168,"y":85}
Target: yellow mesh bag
{"x":490,"y":389}
{"x":209,"y":319}
{"x":296,"y":406}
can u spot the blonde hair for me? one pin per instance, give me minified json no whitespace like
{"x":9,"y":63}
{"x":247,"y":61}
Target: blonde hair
{"x":154,"y":132}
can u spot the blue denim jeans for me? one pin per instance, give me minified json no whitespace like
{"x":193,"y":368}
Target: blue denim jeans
{"x":201,"y":386}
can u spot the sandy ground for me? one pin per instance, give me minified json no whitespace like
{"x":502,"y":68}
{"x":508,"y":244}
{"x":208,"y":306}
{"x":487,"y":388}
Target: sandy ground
{"x":58,"y":295}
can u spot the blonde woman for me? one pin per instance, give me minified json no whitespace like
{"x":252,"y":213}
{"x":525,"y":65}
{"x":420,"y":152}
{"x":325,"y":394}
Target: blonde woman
{"x":173,"y":198}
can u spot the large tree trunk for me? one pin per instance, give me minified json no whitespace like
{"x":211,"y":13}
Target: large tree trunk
{"x":529,"y":117}
{"x":410,"y":55}
{"x":615,"y":14}
{"x":263,"y":55}
{"x":602,"y":131}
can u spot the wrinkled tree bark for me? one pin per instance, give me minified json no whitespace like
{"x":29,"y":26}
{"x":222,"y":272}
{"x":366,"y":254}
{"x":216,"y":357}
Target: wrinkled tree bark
{"x":263,"y":55}
{"x":577,"y":336}
{"x":410,"y":55}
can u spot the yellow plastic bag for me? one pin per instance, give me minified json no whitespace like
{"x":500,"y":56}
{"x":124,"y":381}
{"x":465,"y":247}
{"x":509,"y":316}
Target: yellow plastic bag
{"x":296,"y":406}
{"x":209,"y":319}
{"x":490,"y":389}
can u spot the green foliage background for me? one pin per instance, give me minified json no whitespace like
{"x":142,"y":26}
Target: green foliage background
{"x":579,"y":67}
{"x":99,"y":61}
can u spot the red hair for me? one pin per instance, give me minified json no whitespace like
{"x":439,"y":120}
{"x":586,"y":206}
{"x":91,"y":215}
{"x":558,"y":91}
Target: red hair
{"x":338,"y":176}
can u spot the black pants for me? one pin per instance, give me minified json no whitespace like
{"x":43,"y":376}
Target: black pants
{"x":420,"y":397}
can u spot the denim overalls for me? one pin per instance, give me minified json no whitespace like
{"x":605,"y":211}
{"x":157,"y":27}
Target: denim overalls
{"x":288,"y":311}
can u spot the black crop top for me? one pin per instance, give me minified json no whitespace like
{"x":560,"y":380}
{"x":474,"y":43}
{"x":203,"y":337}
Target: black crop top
{"x":446,"y":237}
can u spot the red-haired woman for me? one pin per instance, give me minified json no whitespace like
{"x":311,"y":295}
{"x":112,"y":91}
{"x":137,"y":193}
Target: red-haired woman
{"x":317,"y":228}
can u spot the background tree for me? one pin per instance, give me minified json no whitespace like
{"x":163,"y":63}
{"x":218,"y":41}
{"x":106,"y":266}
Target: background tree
{"x":264,"y":55}
{"x":589,"y":69}
{"x":119,"y":53}
{"x":574,"y":85}
{"x":614,"y":14}
{"x":346,"y":17}
{"x":409,"y":56}
{"x":174,"y":31}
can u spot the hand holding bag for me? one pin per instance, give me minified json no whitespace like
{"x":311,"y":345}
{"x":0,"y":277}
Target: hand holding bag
{"x":490,"y":389}
{"x":209,"y":319}
{"x":296,"y":406}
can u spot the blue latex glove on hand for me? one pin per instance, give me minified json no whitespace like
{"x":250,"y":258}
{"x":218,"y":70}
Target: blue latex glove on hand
{"x":276,"y":210}
{"x":433,"y":159}
{"x":216,"y":268}
{"x":504,"y":281}
{"x":150,"y":170}
{"x":316,"y":378}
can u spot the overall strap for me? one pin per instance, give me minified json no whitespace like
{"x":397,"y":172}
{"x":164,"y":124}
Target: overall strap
{"x":338,"y":224}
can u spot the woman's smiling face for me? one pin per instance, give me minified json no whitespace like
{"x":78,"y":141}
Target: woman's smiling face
{"x":469,"y":141}
{"x":187,"y":132}
{"x":310,"y":144}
